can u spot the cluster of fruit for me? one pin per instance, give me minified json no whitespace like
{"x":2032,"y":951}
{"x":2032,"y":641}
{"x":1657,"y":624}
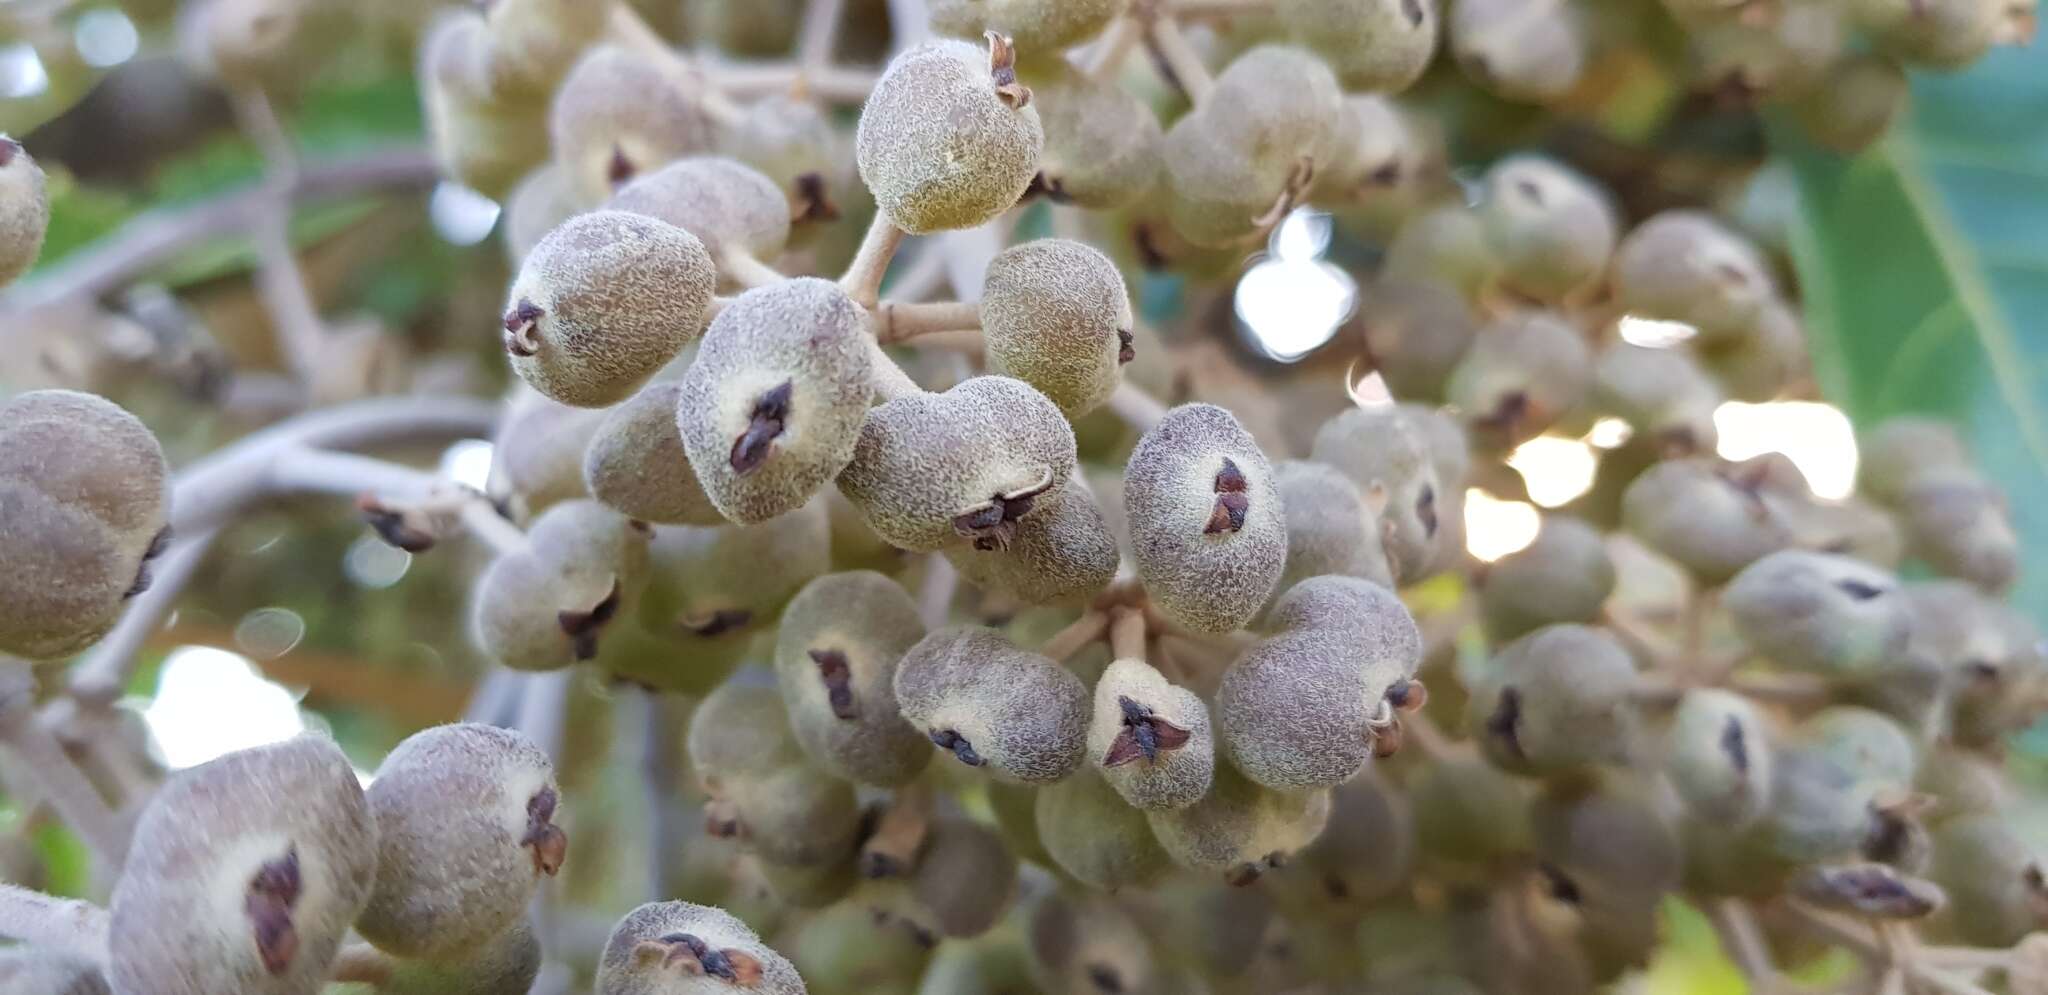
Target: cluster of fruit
{"x":1190,"y":736}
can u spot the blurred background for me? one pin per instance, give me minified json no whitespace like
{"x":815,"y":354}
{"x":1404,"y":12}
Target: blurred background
{"x":1922,"y":265}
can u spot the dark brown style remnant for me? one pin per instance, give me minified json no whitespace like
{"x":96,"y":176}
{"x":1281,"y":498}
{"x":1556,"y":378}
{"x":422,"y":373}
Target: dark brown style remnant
{"x":770,"y":416}
{"x":691,"y":955}
{"x":1232,"y":501}
{"x":583,"y":627}
{"x":837,"y":674}
{"x":550,"y":844}
{"x":1145,"y":734}
{"x":272,"y":892}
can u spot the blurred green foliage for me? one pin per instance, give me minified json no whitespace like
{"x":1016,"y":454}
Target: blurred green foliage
{"x":1925,"y":277}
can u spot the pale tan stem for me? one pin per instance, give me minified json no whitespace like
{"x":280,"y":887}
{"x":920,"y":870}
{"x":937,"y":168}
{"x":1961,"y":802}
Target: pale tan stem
{"x":820,"y":32}
{"x":897,"y":321}
{"x":935,"y":593}
{"x":280,"y":283}
{"x":890,"y":380}
{"x":63,"y":785}
{"x":747,"y":271}
{"x":1133,"y":405}
{"x":1076,"y":636}
{"x":899,"y":834}
{"x":1127,"y":634}
{"x":1180,"y":57}
{"x":1743,"y":941}
{"x":1107,"y":56}
{"x":863,"y":278}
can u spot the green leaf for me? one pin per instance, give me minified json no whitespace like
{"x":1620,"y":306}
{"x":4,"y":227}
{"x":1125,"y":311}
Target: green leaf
{"x":1925,"y":275}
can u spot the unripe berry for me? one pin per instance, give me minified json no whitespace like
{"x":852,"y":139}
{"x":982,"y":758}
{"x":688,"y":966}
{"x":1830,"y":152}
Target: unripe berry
{"x":991,"y":704}
{"x":1042,"y":26}
{"x":635,"y":463}
{"x":1713,"y":520}
{"x":741,"y":731}
{"x":620,"y":114}
{"x":466,"y":829}
{"x":1819,"y":809}
{"x":537,"y":453}
{"x":1685,"y":265}
{"x":727,"y":204}
{"x":547,"y":606}
{"x":676,"y":948}
{"x":1867,"y":744}
{"x":1522,"y":374}
{"x":1663,"y":395}
{"x":1095,"y":837}
{"x":1102,"y":144}
{"x":1564,"y":576}
{"x":944,"y":141}
{"x":965,"y":879}
{"x":1380,"y":45}
{"x":1896,"y":453}
{"x":1556,"y":700}
{"x":794,"y":816}
{"x":966,"y":466}
{"x":24,"y":210}
{"x":1365,"y":854}
{"x":602,"y":303}
{"x":1446,"y":244}
{"x":1330,"y":528}
{"x":1208,"y":530}
{"x":244,"y":875}
{"x":535,"y":43}
{"x":1854,"y":104}
{"x":1957,"y":522}
{"x":1551,"y":229}
{"x":1240,"y":829}
{"x":1469,"y":812}
{"x":1945,"y":34}
{"x":84,"y":499}
{"x":1150,"y":739}
{"x":1088,"y":944}
{"x":1307,"y":707}
{"x":1384,"y":452}
{"x":1988,"y":656}
{"x":1993,"y":878}
{"x":836,"y":656}
{"x":1718,"y":757}
{"x":793,"y":143}
{"x":1261,"y":132}
{"x":773,"y":406}
{"x":1524,"y":50}
{"x":1063,"y":553}
{"x":509,"y":962}
{"x":1416,"y":329}
{"x":1819,"y":612}
{"x":1765,"y":360}
{"x":715,"y":587}
{"x":1055,"y":314}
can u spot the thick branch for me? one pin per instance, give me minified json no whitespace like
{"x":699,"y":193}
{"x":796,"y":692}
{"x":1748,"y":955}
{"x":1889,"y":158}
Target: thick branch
{"x":747,"y":271}
{"x":158,"y":237}
{"x":1181,"y":58}
{"x":46,"y":922}
{"x":1127,"y":634}
{"x":63,"y":785}
{"x":214,"y":489}
{"x":280,"y":282}
{"x":1076,"y":636}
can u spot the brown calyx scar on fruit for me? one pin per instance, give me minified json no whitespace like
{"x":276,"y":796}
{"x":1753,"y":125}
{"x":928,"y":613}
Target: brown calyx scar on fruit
{"x":1125,"y":351}
{"x":1291,"y":193}
{"x":407,"y":528}
{"x":715,"y":624}
{"x":583,"y":627}
{"x":993,"y":524}
{"x":953,"y":742}
{"x":1873,"y":890}
{"x":1002,"y":67}
{"x":1501,"y":724}
{"x":620,"y":169}
{"x":522,"y":329}
{"x":272,"y":892}
{"x":769,"y":417}
{"x":1232,"y":500}
{"x":837,"y":674}
{"x":1145,"y":734}
{"x":812,"y":202}
{"x":157,"y":545}
{"x":691,"y":955}
{"x":550,"y":844}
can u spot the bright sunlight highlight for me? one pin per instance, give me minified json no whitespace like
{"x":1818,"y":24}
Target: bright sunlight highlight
{"x":468,"y":463}
{"x":210,"y":702}
{"x":1292,"y":301}
{"x":1495,"y":528}
{"x":1817,"y":438}
{"x":1554,"y":469}
{"x":1653,"y":334}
